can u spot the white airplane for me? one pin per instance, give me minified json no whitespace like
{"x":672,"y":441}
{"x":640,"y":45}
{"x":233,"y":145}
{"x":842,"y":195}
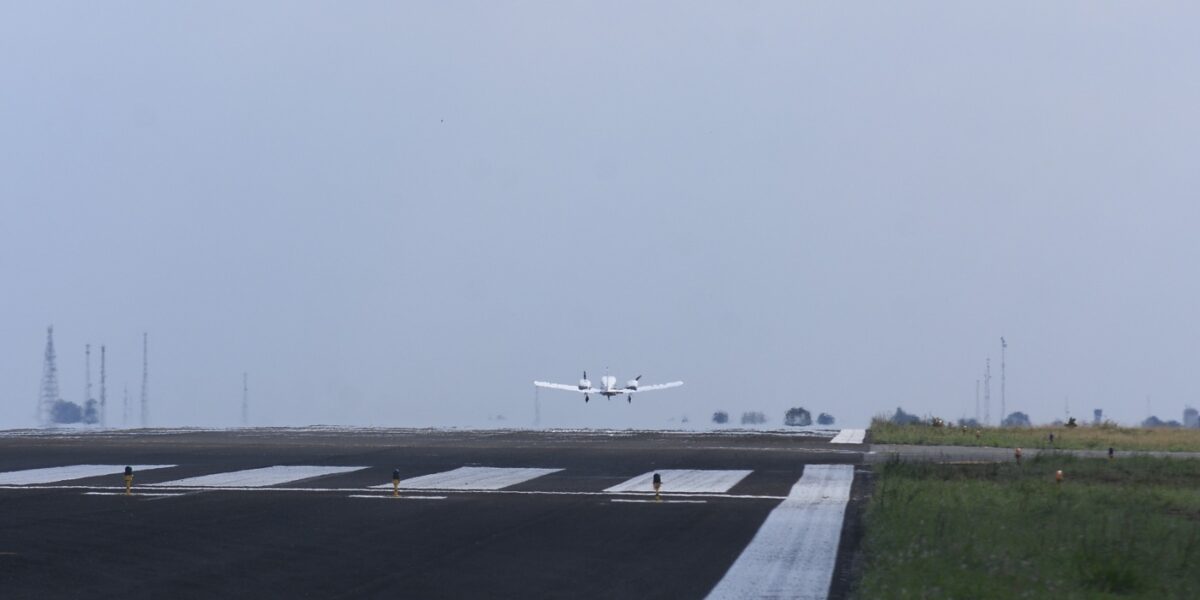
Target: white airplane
{"x":608,"y":387}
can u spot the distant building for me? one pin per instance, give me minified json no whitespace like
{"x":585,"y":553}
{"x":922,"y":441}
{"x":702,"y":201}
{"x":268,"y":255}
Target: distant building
{"x":1097,"y":416}
{"x":1191,"y":417}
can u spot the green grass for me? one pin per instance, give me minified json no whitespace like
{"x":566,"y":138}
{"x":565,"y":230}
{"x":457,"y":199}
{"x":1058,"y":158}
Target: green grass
{"x":1078,"y":438}
{"x":1129,"y":528}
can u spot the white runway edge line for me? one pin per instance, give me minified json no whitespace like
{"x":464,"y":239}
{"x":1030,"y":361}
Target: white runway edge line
{"x":52,"y":474}
{"x":472,"y":478}
{"x":683,"y":481}
{"x":849,"y":436}
{"x":795,"y":550}
{"x":263,"y":477}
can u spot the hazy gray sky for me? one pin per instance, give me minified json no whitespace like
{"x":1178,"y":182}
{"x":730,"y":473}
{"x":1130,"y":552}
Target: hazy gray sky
{"x":403,"y":213}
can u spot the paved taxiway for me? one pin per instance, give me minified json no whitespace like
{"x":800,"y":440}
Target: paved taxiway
{"x":309,"y":513}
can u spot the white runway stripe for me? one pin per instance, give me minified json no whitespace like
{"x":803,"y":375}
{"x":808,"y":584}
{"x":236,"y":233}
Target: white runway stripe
{"x":660,"y":501}
{"x":163,"y":495}
{"x":52,"y":474}
{"x":684,"y":481}
{"x":263,"y":477}
{"x":849,"y":436}
{"x":794,"y":552}
{"x":381,"y":496}
{"x":472,"y":478}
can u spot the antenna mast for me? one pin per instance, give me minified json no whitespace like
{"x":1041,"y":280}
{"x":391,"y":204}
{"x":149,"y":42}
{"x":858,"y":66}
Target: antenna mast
{"x":976,"y":400}
{"x":87,"y":380}
{"x":537,"y":408}
{"x":987,"y":392}
{"x":49,"y":394}
{"x":103,"y":391}
{"x":125,"y":405}
{"x":245,"y":400}
{"x":1003,"y":405}
{"x":145,"y":380}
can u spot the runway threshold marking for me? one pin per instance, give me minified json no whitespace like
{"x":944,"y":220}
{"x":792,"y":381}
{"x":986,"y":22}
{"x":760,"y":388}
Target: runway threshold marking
{"x":849,"y":436}
{"x":67,"y":473}
{"x":255,"y":478}
{"x":360,"y":490}
{"x":471,"y":478}
{"x":684,"y":481}
{"x":795,"y":550}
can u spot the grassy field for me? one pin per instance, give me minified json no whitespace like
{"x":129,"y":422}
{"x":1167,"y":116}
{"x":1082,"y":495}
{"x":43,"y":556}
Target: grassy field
{"x":1078,"y":438}
{"x":1129,"y":528}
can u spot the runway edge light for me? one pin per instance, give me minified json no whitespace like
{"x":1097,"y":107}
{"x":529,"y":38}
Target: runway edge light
{"x":657,"y":487}
{"x":396,"y":483}
{"x":128,"y":479}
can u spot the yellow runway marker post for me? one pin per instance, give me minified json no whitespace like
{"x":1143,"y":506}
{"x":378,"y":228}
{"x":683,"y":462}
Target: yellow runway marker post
{"x":128,"y":480}
{"x":396,"y":483}
{"x":657,"y":487}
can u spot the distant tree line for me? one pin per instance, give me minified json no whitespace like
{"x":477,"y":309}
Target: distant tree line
{"x":753,"y":418}
{"x":900,"y":417}
{"x":795,"y":417}
{"x":1019,"y":419}
{"x":65,"y":411}
{"x":1153,"y":421}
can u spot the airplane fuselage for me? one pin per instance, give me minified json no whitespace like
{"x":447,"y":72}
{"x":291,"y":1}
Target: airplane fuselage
{"x":609,"y":388}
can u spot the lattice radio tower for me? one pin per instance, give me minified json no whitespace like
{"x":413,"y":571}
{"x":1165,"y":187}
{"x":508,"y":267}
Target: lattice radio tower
{"x":49,"y":393}
{"x":145,"y":380}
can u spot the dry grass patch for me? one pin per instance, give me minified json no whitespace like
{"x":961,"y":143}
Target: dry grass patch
{"x":1078,"y":438}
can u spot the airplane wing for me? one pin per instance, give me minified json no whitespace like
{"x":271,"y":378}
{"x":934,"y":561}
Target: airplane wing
{"x":658,"y":386}
{"x":563,"y":386}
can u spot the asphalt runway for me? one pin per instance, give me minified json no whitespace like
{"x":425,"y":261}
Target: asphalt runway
{"x":496,"y":514}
